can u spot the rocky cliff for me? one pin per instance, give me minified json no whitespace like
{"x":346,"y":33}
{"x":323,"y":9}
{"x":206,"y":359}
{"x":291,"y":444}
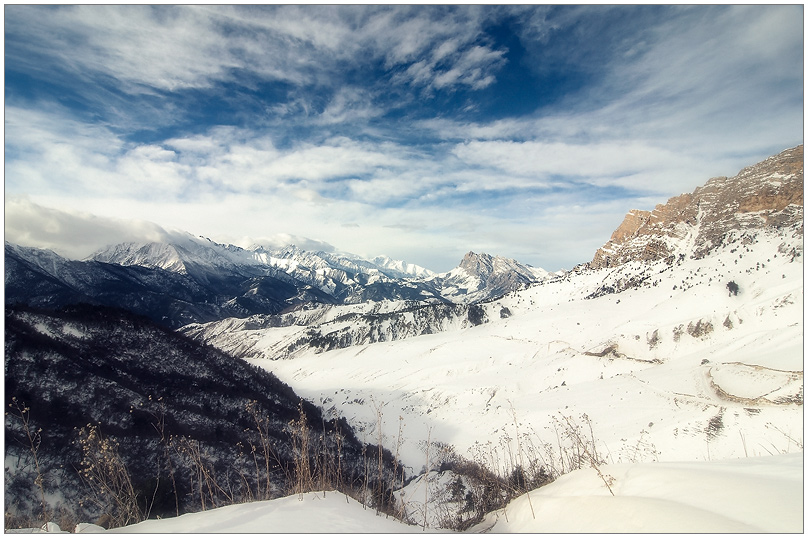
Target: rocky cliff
{"x":766,"y":195}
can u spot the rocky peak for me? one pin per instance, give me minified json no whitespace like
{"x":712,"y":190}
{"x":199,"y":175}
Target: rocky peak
{"x":477,"y":264}
{"x":481,"y":277}
{"x":767,"y":194}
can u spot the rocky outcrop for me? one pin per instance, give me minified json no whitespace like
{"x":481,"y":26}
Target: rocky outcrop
{"x":768,"y":194}
{"x":482,"y":277}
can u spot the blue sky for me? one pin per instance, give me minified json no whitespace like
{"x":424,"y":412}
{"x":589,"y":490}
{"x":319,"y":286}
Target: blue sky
{"x":418,"y":132}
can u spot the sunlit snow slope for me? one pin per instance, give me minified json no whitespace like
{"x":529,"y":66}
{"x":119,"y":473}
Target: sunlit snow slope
{"x":677,"y":366}
{"x":747,"y":495}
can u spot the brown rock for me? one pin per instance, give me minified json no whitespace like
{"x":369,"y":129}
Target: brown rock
{"x":769,"y":193}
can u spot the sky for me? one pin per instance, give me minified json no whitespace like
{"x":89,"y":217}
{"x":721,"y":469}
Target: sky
{"x":418,"y":132}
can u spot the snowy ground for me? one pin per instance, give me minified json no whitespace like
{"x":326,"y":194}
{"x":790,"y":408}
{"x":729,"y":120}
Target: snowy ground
{"x":744,"y":495}
{"x":677,"y":371}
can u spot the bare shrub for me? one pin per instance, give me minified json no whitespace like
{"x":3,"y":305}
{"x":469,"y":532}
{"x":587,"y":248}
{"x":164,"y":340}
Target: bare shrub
{"x":32,"y":440}
{"x":299,"y":429}
{"x":584,"y":448}
{"x":264,"y":449}
{"x":105,"y":474}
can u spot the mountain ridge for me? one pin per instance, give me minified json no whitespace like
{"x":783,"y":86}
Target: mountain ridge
{"x":766,"y":194}
{"x":195,"y":280}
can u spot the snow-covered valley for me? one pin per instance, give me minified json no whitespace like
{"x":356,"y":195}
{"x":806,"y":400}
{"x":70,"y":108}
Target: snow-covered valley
{"x":679,"y":365}
{"x":657,"y":388}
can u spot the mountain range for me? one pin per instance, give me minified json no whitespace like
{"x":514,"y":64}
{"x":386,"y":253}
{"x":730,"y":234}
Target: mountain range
{"x":194,"y":279}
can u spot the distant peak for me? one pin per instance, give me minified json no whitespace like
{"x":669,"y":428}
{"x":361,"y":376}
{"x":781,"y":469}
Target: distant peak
{"x":477,"y":264}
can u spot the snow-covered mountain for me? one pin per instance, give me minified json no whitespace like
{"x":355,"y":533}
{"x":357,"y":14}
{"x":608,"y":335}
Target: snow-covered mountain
{"x":481,"y":277}
{"x":401,"y":269}
{"x":478,"y":278}
{"x":171,"y":298}
{"x":347,"y":278}
{"x":189,"y":255}
{"x":676,"y":352}
{"x":193,"y":279}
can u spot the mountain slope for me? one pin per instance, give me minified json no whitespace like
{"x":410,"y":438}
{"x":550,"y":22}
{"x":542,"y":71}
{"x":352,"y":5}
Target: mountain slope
{"x":170,"y":403}
{"x":324,"y":328}
{"x":671,"y":356}
{"x":678,"y":363}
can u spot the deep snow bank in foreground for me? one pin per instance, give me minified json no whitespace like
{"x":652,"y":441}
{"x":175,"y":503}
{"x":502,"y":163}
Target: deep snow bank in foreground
{"x":329,"y":512}
{"x":744,"y":495}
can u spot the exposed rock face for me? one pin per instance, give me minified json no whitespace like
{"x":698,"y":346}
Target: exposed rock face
{"x":768,"y":194}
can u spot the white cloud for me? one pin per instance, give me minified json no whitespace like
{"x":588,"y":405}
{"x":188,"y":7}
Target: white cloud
{"x":604,"y":164}
{"x":71,"y":233}
{"x":47,"y":151}
{"x":277,"y":240}
{"x":170,"y":48}
{"x":687,"y":98}
{"x":349,"y":105}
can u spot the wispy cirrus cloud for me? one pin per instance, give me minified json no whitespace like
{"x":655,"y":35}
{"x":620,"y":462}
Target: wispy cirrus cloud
{"x":143,"y":49}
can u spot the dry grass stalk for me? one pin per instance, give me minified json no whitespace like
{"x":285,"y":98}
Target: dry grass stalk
{"x":34,"y":440}
{"x":105,"y":473}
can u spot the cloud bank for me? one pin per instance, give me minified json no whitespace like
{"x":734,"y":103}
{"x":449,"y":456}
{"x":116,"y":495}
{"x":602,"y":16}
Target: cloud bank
{"x":418,"y":132}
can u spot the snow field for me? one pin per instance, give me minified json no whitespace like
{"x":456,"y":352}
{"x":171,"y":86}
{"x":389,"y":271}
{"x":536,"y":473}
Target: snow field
{"x":746,"y":495}
{"x":645,"y":365}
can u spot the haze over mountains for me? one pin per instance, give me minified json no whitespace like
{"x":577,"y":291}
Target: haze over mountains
{"x":681,"y":340}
